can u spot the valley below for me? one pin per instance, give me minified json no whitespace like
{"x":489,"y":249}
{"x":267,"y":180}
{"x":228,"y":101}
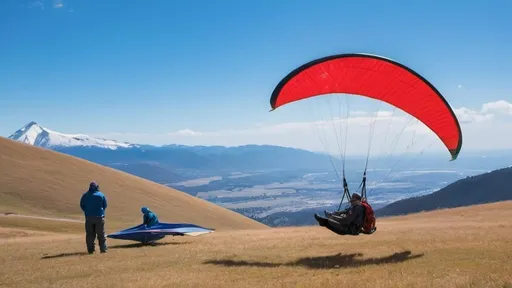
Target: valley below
{"x":291,"y":197}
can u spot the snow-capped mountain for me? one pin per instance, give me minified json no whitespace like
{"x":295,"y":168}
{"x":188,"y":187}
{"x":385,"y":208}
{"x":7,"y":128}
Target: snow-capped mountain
{"x":37,"y":135}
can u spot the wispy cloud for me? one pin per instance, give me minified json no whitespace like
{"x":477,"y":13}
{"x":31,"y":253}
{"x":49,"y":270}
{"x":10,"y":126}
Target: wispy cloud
{"x":58,"y":4}
{"x":185,"y":132}
{"x":498,"y":107}
{"x":393,"y":132}
{"x":362,"y":121}
{"x":488,"y":111}
{"x":467,"y":115}
{"x":40,"y":4}
{"x":36,"y":4}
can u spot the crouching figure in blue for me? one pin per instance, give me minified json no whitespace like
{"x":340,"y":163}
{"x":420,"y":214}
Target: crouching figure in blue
{"x":149,"y":219}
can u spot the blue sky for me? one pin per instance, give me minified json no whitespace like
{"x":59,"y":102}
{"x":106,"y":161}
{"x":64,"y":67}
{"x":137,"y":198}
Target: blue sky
{"x":201,"y":72}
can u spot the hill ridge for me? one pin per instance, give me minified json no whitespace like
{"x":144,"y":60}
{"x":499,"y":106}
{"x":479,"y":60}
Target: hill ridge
{"x":483,"y":188}
{"x":44,"y":182}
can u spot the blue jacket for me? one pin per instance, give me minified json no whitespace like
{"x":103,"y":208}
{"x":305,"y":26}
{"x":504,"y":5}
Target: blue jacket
{"x":93,"y":203}
{"x":150,"y":219}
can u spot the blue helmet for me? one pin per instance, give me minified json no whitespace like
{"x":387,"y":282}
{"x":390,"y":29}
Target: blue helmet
{"x":144,"y":210}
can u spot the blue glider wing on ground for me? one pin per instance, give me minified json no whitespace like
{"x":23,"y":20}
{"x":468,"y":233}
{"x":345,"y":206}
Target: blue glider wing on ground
{"x":142,"y":234}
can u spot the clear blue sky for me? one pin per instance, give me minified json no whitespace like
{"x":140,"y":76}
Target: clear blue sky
{"x":161,"y":66}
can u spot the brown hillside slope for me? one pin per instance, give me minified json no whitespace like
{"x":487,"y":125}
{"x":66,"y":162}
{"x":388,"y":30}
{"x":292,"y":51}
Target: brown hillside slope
{"x":42,"y":182}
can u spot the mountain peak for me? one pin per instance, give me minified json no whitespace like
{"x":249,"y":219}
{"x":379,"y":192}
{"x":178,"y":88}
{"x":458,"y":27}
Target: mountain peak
{"x":29,"y":126}
{"x":37,"y":135}
{"x":29,"y":133}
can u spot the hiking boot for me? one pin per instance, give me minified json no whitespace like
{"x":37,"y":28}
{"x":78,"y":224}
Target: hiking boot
{"x":320,"y":220}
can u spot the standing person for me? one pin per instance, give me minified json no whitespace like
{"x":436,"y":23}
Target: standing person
{"x":94,"y":204}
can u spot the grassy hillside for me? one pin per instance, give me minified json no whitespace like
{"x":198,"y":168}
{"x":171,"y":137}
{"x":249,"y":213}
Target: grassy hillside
{"x":42,"y":182}
{"x":480,"y":189}
{"x":463,"y":247}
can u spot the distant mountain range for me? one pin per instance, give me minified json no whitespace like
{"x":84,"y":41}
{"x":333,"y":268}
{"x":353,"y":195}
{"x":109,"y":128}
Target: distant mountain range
{"x":171,"y":163}
{"x":174,"y":163}
{"x":484,"y":188}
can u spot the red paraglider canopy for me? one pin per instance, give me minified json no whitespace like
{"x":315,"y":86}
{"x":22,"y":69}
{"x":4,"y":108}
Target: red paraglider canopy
{"x":378,"y":78}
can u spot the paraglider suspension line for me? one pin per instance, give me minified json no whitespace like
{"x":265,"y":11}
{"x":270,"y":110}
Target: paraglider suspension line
{"x":346,"y":192}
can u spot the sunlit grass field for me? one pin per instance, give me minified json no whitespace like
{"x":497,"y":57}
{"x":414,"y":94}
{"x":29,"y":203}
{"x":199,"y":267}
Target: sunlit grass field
{"x":463,"y":247}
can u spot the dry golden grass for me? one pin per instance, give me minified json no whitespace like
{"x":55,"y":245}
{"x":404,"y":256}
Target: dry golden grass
{"x":464,"y":247}
{"x":45,"y":225}
{"x":40,"y":182}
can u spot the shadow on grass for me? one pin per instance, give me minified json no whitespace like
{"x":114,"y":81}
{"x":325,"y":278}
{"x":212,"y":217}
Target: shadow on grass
{"x":64,"y":255}
{"x":125,"y":246}
{"x":139,"y":245}
{"x":336,"y":261}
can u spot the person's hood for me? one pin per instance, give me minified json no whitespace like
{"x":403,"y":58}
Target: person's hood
{"x":145,"y":210}
{"x":93,"y":187}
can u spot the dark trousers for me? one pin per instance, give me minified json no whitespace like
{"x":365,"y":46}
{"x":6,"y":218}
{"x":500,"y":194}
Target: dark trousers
{"x":95,"y":227}
{"x":337,"y":227}
{"x":342,"y":229}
